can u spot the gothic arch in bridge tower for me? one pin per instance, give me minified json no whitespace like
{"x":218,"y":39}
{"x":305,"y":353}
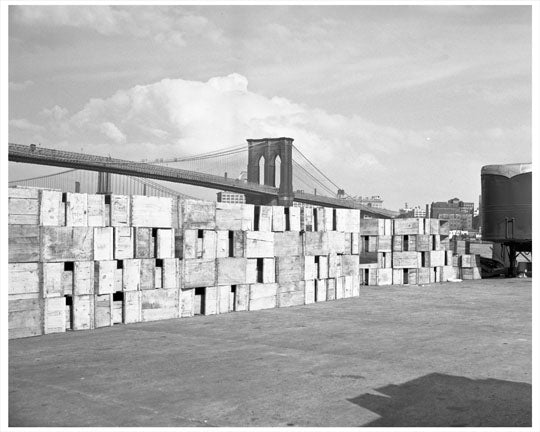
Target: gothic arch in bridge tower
{"x":273,"y":151}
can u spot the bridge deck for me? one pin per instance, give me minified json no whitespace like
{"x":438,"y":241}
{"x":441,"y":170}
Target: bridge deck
{"x":45,"y":156}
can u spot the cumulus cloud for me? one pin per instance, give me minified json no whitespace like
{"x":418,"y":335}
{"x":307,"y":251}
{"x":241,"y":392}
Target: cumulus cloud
{"x":163,"y":25}
{"x":25,"y":125}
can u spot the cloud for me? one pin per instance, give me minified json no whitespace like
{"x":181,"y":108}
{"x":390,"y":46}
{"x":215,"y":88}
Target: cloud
{"x":19,"y":86}
{"x":176,"y":117}
{"x":169,"y":26}
{"x":25,"y":125}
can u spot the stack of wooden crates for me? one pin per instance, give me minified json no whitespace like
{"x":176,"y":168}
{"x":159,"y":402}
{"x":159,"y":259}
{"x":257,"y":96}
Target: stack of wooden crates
{"x":83,"y":261}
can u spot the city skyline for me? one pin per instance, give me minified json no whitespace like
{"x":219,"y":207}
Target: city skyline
{"x":405,"y":102}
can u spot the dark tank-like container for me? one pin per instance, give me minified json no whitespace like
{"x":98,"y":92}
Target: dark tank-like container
{"x":507,"y":204}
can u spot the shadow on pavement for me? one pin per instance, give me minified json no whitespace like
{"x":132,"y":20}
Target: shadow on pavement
{"x":446,"y":400}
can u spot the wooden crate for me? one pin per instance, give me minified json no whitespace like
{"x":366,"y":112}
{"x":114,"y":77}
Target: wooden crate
{"x":103,"y":306}
{"x":187,"y":303}
{"x":262,"y":296}
{"x":223,"y":294}
{"x":23,"y":243}
{"x":25,"y":317}
{"x":310,"y":268}
{"x":83,"y":312}
{"x":23,"y":206}
{"x":60,"y":244}
{"x":320,"y":290}
{"x":52,"y":211}
{"x":448,"y":272}
{"x":76,"y":209}
{"x":104,"y":277}
{"x":405,"y":259}
{"x":104,"y":243}
{"x":347,"y":284}
{"x":424,"y":275}
{"x":469,"y":261}
{"x":147,"y":279}
{"x":368,"y":244}
{"x":330,"y":289}
{"x":289,"y":269}
{"x":315,"y":243}
{"x":199,"y":273}
{"x":288,"y":243}
{"x":397,"y":276}
{"x":145,"y":242}
{"x":211,"y":300}
{"x":291,"y":294}
{"x":349,"y":265}
{"x":131,"y":274}
{"x":119,"y":210}
{"x":259,"y":244}
{"x":434,"y":258}
{"x":355,"y":243}
{"x":424,"y":242}
{"x":306,"y":219}
{"x":53,"y":285}
{"x":334,"y":265}
{"x":231,"y":271}
{"x":83,"y":277}
{"x":375,"y":227}
{"x":309,"y":292}
{"x":384,"y":276}
{"x":340,"y":288}
{"x":263,"y":218}
{"x":24,"y":279}
{"x":165,"y":244}
{"x":96,"y":210}
{"x":159,"y":304}
{"x":242,"y":298}
{"x":132,"y":307}
{"x":278,"y":218}
{"x":348,"y":220}
{"x":356,"y":285}
{"x":410,"y":276}
{"x":234,"y":217}
{"x":209,"y":245}
{"x":337,"y":242}
{"x":124,"y":243}
{"x":384,"y":243}
{"x":292,"y":219}
{"x":470,"y":273}
{"x":321,"y":261}
{"x":54,"y":315}
{"x":198,"y":214}
{"x":384,"y":259}
{"x":408,"y":226}
{"x":171,"y":273}
{"x":224,"y":244}
{"x":151,"y":211}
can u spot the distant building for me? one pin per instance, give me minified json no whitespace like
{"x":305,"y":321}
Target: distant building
{"x":231,"y":197}
{"x":417,"y":212}
{"x":458,"y":213}
{"x":374,"y":201}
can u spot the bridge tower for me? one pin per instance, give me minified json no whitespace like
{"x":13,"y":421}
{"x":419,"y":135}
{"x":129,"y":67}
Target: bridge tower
{"x":270,"y":149}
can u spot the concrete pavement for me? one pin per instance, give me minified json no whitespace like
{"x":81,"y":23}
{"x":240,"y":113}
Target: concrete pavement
{"x":452,"y":354}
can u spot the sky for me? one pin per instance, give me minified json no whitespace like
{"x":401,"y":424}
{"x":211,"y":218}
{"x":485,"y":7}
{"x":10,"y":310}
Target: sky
{"x":405,"y":102}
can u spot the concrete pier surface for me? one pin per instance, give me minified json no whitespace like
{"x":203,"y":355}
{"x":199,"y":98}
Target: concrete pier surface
{"x":451,"y":354}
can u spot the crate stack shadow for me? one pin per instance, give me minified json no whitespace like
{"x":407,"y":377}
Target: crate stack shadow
{"x":84,"y":261}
